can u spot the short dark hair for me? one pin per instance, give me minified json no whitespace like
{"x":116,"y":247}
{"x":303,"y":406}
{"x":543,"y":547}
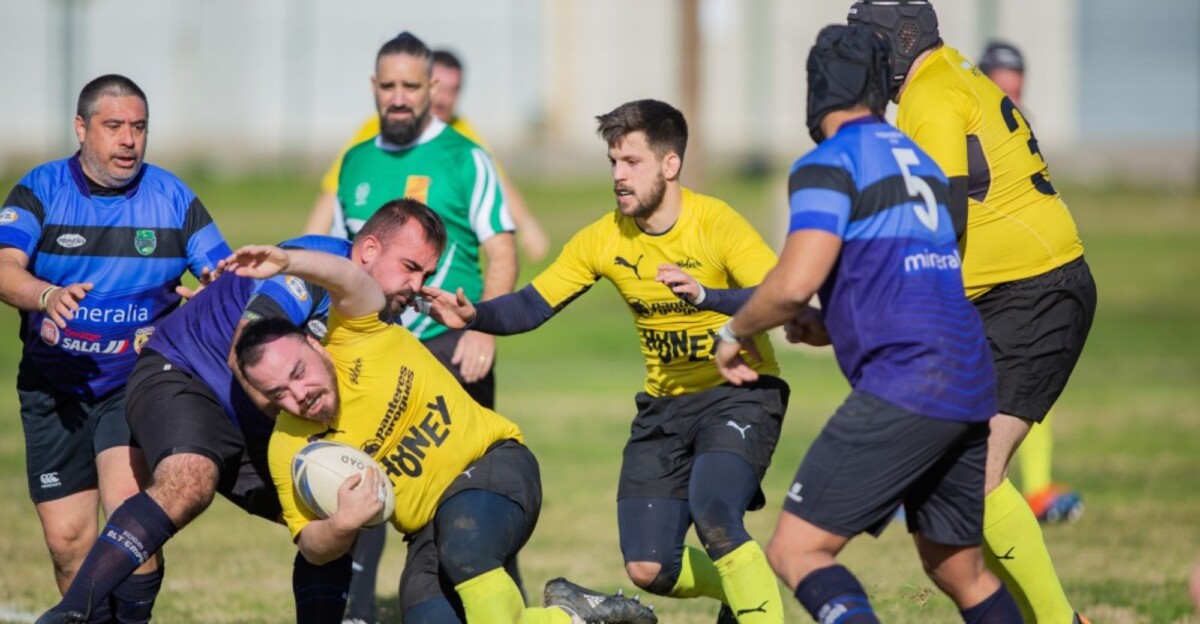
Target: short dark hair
{"x":665,"y":128}
{"x":405,"y":43}
{"x":113,"y":85}
{"x":446,"y":58}
{"x":257,"y":335}
{"x":393,"y":215}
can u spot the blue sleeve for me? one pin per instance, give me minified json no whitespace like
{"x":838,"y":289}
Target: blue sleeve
{"x":297,"y":299}
{"x":819,"y":198}
{"x":727,"y":301}
{"x":513,"y":313}
{"x":21,"y":220}
{"x":205,"y":244}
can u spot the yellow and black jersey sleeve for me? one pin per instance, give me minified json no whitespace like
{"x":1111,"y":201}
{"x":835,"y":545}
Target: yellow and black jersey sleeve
{"x":1017,"y":225}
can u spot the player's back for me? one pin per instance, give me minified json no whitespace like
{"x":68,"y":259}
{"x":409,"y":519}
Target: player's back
{"x":1018,"y":225}
{"x":894,"y":305}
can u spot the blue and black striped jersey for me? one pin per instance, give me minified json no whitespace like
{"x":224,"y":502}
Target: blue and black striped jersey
{"x":132,"y":243}
{"x":198,"y":336}
{"x":894,"y":306}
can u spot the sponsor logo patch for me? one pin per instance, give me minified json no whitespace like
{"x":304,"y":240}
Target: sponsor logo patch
{"x":8,"y":215}
{"x":361,"y":193}
{"x":49,"y":333}
{"x":49,"y":480}
{"x":141,"y":337}
{"x":145,"y":242}
{"x":71,"y":241}
{"x":317,"y":329}
{"x":295,"y":286}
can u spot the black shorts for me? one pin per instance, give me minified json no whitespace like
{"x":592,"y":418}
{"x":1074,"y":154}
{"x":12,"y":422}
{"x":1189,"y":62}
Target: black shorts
{"x":873,"y":455}
{"x":63,"y":436}
{"x":669,"y":432}
{"x":171,"y":412}
{"x":1037,"y":328}
{"x":508,"y":469}
{"x":442,"y":347}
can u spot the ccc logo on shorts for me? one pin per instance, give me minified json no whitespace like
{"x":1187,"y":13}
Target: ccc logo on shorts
{"x":49,"y":480}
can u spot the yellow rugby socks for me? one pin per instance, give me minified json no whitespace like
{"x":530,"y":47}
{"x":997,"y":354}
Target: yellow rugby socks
{"x":1034,"y":457}
{"x":750,"y":586}
{"x":698,"y":576}
{"x":1015,"y":551}
{"x":493,"y":598}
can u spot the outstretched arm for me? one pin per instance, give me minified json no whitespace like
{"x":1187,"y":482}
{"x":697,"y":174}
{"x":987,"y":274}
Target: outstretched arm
{"x":352,"y":292}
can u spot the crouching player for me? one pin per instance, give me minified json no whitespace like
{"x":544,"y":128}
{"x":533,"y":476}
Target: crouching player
{"x":871,"y":234}
{"x":468,"y":491}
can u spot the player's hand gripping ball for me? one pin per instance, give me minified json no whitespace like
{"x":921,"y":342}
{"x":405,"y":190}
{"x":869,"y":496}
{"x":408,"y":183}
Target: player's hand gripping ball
{"x":319,"y":470}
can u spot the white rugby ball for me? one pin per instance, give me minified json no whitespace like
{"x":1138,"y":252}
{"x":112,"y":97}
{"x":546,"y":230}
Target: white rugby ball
{"x":319,"y":470}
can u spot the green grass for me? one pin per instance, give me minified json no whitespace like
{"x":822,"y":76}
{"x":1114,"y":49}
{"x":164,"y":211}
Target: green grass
{"x":1126,"y":431}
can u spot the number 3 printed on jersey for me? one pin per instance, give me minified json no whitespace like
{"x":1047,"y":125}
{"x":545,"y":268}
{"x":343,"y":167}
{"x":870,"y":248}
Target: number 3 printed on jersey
{"x":927,"y":214}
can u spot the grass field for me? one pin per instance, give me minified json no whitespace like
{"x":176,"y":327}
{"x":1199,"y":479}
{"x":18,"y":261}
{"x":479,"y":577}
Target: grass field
{"x":1128,"y":431}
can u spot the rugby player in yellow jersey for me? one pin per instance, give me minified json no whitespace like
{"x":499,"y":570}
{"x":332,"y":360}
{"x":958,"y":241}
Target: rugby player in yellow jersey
{"x":699,"y":447}
{"x":447,"y":76}
{"x":468,"y":491}
{"x":1051,"y":502}
{"x":1022,"y":264}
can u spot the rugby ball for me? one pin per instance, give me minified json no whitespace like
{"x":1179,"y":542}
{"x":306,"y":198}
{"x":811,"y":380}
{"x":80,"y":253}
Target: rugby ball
{"x":319,"y":470}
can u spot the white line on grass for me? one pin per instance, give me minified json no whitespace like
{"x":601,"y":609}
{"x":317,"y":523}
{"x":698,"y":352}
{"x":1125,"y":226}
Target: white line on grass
{"x":10,"y":614}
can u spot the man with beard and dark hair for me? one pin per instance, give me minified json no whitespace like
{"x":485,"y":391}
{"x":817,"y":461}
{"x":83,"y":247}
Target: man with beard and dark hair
{"x":417,"y":155}
{"x":698,"y":448}
{"x":204,"y":431}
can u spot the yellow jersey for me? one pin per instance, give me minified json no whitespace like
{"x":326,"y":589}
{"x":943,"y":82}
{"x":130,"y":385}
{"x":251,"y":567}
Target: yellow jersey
{"x":400,"y":406}
{"x":1017,"y":224}
{"x":711,"y":242}
{"x":369,"y":129}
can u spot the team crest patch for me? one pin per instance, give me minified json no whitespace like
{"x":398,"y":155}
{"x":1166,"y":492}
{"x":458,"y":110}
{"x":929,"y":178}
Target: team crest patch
{"x":361,"y":193}
{"x":8,"y":215}
{"x":141,"y":337}
{"x":372,"y":446}
{"x":295,"y":286}
{"x":49,"y":332}
{"x":145,"y":242}
{"x":417,"y":187}
{"x":250,"y":317}
{"x":71,"y":241}
{"x":317,"y":329}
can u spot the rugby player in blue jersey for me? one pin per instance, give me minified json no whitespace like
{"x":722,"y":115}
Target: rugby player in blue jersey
{"x":871,"y":236}
{"x":204,"y":433}
{"x":92,"y":249}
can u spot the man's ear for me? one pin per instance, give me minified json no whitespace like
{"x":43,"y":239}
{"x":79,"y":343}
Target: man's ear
{"x":671,"y":166}
{"x":80,"y":128}
{"x":371,"y":248}
{"x":313,"y":342}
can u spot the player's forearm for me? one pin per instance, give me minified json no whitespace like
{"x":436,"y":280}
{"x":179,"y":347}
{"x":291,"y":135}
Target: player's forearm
{"x":19,"y":288}
{"x":513,"y":313}
{"x":767,"y":308}
{"x":500,"y":276}
{"x":352,"y":292}
{"x":726,"y":301}
{"x":322,"y":541}
{"x":807,"y":258}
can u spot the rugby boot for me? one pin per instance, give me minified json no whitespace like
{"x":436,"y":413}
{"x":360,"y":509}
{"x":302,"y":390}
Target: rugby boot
{"x":1056,"y":503}
{"x":725,"y":615}
{"x":589,"y":607}
{"x":62,"y":617}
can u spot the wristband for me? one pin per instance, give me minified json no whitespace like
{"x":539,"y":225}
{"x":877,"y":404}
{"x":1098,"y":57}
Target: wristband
{"x":700,"y":296}
{"x":44,"y":296}
{"x":725,"y":334}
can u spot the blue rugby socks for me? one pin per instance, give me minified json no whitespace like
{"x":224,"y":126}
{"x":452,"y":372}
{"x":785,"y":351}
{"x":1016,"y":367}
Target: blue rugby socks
{"x":134,"y":597}
{"x":135,"y":531}
{"x":833,"y":596}
{"x":320,"y":590}
{"x":999,"y":608}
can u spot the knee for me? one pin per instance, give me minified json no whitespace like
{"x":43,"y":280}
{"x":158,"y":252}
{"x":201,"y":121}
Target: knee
{"x":184,"y":486}
{"x":646,"y":574}
{"x":68,"y":546}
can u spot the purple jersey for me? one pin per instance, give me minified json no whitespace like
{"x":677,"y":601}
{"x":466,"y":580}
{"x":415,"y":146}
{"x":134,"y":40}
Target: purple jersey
{"x":199,"y":335}
{"x":894,"y":305}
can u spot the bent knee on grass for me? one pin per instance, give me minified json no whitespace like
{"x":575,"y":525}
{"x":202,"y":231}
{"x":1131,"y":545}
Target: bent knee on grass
{"x":643,"y":573}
